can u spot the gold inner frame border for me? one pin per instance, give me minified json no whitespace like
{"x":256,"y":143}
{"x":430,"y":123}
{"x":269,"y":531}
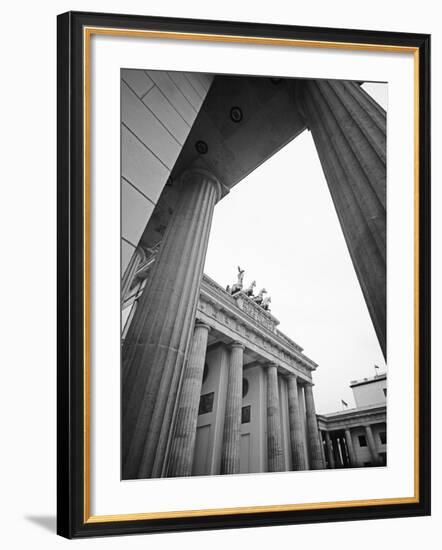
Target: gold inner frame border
{"x":88,"y":32}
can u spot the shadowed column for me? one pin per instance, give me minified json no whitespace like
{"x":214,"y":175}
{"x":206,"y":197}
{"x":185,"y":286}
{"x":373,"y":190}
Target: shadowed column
{"x":155,"y":346}
{"x":349,"y":131}
{"x":372,"y":446}
{"x":330,"y":457}
{"x":183,"y":443}
{"x":350,"y":448}
{"x":275,"y":455}
{"x":296,"y":434}
{"x":314,"y":445}
{"x":230,"y":457}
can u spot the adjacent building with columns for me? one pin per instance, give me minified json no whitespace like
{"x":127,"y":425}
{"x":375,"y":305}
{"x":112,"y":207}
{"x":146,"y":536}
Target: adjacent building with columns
{"x":188,"y":345}
{"x":357,"y":437}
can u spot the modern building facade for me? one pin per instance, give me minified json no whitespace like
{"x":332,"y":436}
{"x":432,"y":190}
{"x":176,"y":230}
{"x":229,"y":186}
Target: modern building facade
{"x":187,"y":139}
{"x":354,"y":438}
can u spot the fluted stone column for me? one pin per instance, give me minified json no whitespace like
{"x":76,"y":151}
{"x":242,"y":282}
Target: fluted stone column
{"x":350,"y":448}
{"x":330,"y":457}
{"x":339,"y":456}
{"x":230,"y":454}
{"x":295,"y":422}
{"x":275,"y":454}
{"x":321,"y":441}
{"x":316,"y":462}
{"x":372,"y":445}
{"x":183,"y":442}
{"x":349,"y":131}
{"x":129,"y":274}
{"x":157,"y":341}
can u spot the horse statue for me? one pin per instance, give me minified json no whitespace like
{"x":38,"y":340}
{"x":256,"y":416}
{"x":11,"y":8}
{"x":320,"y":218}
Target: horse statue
{"x":238,"y":285}
{"x":249,"y":290}
{"x":265,"y":304}
{"x":258,"y":299}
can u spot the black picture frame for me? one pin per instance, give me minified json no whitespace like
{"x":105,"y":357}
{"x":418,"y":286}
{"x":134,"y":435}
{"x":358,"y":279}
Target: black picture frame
{"x":72,"y":520}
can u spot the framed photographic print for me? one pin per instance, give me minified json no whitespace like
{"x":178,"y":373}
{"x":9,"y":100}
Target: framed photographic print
{"x":243,"y":274}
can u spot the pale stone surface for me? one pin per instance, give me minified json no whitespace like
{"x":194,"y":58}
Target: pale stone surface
{"x":137,"y":80}
{"x":314,"y":444}
{"x":135,"y":210}
{"x":156,"y":343}
{"x":349,"y":130}
{"x":275,"y":455}
{"x":183,"y":442}
{"x":230,"y":458}
{"x":296,"y":434}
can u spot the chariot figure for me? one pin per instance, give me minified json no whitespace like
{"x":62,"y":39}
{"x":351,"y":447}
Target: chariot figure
{"x":265,"y":304}
{"x":258,"y":299}
{"x":249,"y":290}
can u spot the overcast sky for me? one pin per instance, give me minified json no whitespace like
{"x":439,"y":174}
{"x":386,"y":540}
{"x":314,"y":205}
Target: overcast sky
{"x":280,"y":225}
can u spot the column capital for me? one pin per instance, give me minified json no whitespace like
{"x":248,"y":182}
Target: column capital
{"x":196,"y":170}
{"x":237,"y":345}
{"x":202,"y":324}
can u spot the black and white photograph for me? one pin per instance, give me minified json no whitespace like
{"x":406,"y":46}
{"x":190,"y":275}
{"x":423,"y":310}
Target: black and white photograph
{"x":253,"y":274}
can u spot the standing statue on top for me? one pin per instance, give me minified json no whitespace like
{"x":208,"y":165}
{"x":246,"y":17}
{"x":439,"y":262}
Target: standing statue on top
{"x":238,"y":285}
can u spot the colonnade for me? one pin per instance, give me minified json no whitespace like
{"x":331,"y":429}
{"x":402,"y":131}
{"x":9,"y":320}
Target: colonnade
{"x":340,"y":450}
{"x":182,"y":447}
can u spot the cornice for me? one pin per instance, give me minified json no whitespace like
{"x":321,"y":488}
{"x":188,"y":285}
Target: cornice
{"x":225,"y":309}
{"x":353,"y":417}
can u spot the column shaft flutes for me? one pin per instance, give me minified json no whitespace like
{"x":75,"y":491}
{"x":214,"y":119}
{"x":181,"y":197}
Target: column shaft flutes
{"x":295,"y":421}
{"x":156,"y":343}
{"x":230,"y":457}
{"x":275,"y":453}
{"x":349,"y":131}
{"x":183,"y":442}
{"x":315,"y":454}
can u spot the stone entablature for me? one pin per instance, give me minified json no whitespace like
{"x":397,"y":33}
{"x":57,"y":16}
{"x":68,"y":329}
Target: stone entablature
{"x":289,"y":340}
{"x":240,"y":318}
{"x":352,"y":418}
{"x":256,"y":311}
{"x":220,"y":310}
